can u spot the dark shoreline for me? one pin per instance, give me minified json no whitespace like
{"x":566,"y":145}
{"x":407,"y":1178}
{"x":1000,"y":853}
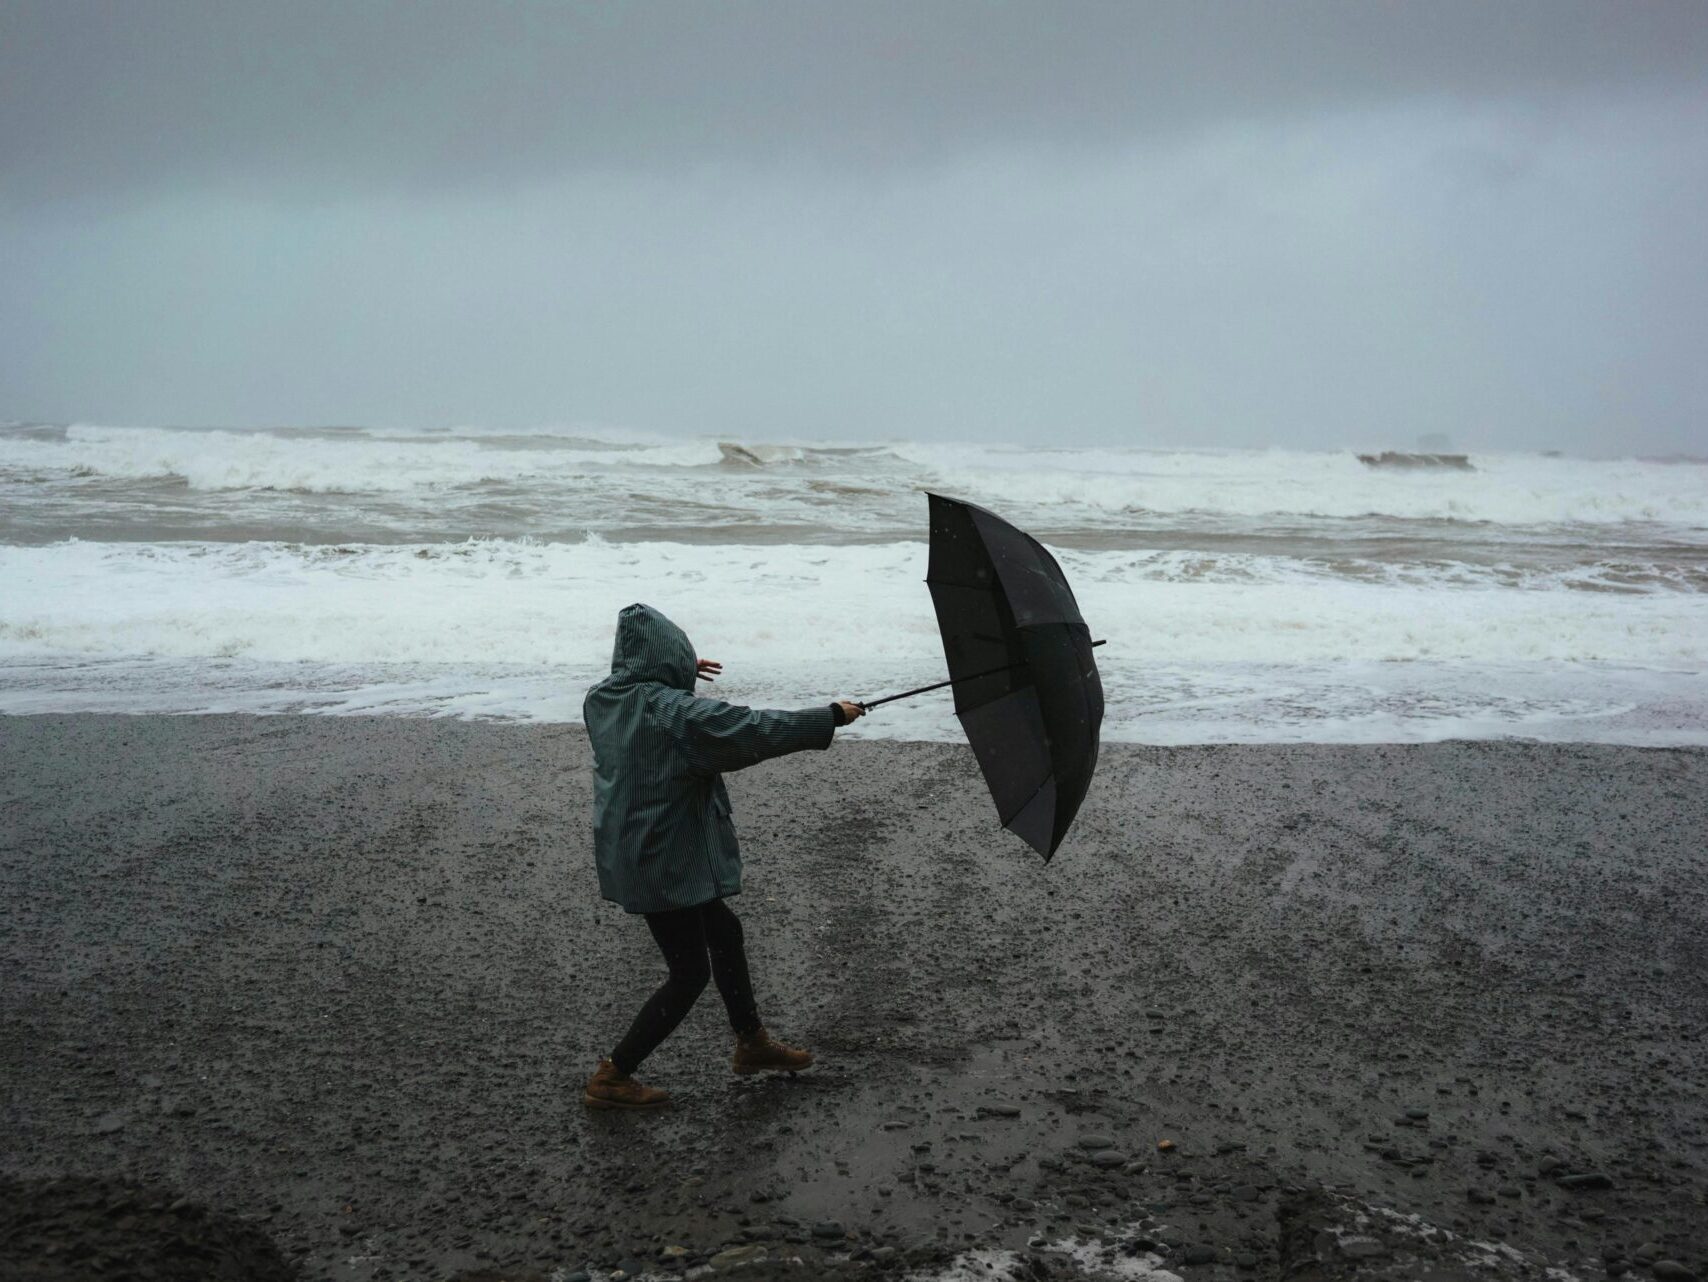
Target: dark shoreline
{"x":346,"y":975}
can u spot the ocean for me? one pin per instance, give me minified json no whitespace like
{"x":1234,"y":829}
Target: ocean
{"x":1246,"y":595}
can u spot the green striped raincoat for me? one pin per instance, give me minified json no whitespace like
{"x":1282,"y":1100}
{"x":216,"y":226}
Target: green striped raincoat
{"x":662,"y":836}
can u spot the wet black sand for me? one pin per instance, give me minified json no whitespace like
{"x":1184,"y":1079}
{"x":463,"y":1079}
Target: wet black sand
{"x":345,"y":977}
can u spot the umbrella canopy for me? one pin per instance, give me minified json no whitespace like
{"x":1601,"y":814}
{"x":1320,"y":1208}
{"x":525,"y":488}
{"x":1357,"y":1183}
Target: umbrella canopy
{"x":1026,"y":687}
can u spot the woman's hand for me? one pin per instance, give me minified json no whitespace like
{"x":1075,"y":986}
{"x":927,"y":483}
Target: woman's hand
{"x":707,"y":669}
{"x":852,"y":711}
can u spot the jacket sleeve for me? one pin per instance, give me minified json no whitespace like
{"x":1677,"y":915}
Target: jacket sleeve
{"x":717,"y":737}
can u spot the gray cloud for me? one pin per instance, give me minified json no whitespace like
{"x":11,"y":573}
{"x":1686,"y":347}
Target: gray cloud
{"x":1224,"y":223}
{"x":98,"y":96}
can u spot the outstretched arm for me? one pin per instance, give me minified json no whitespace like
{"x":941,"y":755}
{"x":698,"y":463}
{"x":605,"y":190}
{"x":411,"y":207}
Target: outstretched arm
{"x":718,"y":736}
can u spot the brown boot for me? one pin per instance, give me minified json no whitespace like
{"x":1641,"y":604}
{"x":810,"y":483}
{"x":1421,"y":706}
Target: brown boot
{"x":758,"y":1052}
{"x":608,"y":1088}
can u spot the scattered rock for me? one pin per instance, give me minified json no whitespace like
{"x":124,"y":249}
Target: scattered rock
{"x":737,"y":1256}
{"x":1196,"y":1255}
{"x":1585,"y":1180}
{"x":1671,"y":1271}
{"x":1096,"y":1140}
{"x":829,"y":1229}
{"x":1332,"y":1237}
{"x":1107,"y":1159}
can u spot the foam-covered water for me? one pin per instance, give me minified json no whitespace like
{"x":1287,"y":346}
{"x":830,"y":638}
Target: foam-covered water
{"x":1246,"y":595}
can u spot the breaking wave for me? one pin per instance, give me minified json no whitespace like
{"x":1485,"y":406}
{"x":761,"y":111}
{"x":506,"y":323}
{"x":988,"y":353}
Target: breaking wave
{"x":860,"y":609}
{"x":877,"y":486}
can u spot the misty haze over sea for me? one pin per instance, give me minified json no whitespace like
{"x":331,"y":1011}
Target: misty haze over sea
{"x":1247,"y":595}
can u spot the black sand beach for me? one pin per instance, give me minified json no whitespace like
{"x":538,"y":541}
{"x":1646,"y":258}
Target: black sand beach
{"x":345,"y":977}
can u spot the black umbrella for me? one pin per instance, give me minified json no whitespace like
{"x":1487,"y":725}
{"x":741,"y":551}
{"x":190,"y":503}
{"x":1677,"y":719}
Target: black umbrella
{"x":1026,"y":686}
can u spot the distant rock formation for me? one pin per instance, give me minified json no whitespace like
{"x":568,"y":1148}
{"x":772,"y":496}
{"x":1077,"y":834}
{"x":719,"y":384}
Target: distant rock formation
{"x":1395,"y":458}
{"x":758,"y":455}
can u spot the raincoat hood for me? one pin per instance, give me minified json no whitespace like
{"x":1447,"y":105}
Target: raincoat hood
{"x":651,"y":648}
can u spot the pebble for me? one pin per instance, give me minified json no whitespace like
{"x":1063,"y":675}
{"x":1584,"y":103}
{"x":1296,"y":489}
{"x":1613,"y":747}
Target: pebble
{"x":1586,"y":1180}
{"x":1480,"y":1196}
{"x":829,"y":1229}
{"x":736,"y":1256}
{"x":1108,"y":1159}
{"x":1246,"y":1260}
{"x":1200,"y":1255}
{"x":1671,"y":1271}
{"x":1096,"y":1140}
{"x":998,"y":1110}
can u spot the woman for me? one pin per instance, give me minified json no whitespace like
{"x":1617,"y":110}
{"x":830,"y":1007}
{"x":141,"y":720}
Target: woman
{"x":663,"y":840}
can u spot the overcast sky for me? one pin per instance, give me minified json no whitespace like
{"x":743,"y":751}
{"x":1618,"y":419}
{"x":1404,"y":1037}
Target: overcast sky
{"x":1258,"y":223}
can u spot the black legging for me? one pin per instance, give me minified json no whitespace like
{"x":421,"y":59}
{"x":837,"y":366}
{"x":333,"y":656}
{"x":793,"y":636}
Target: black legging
{"x":686,"y":936}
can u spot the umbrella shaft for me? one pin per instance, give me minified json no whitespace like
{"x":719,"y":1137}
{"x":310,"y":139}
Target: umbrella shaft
{"x":972,"y":676}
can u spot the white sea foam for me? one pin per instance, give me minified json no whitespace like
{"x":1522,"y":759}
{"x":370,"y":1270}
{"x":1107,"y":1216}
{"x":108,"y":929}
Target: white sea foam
{"x":1508,"y":489}
{"x":862,"y":606}
{"x":1098,"y":486}
{"x":1105,"y":1261}
{"x":1227,"y":648}
{"x":331,"y":463}
{"x":1247,"y":595}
